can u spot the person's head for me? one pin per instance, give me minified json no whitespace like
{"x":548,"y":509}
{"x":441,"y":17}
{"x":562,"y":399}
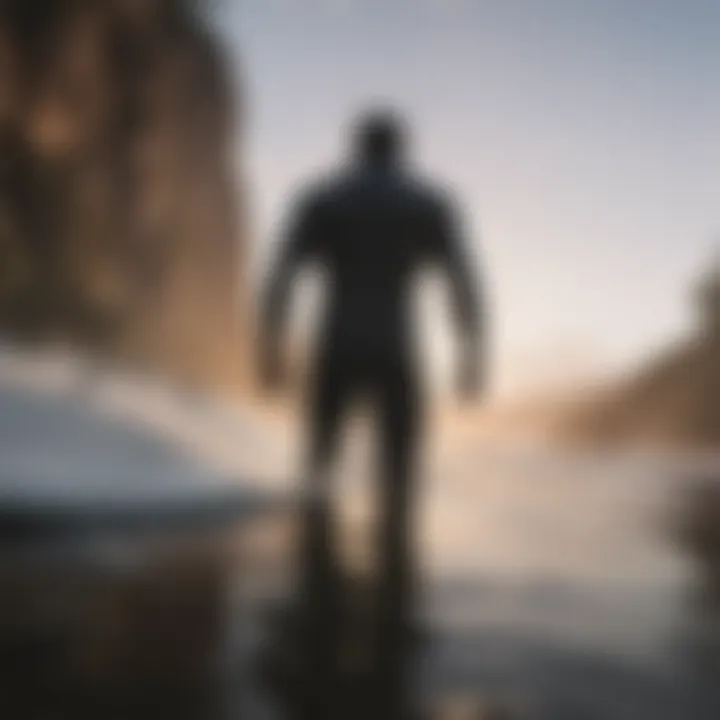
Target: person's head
{"x":380,"y":138}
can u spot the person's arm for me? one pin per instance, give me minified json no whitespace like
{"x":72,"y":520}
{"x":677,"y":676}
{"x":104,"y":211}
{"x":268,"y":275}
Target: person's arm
{"x":296,"y":247}
{"x":460,"y":264}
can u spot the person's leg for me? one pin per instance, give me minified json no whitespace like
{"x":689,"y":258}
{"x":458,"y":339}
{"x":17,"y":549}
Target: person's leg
{"x":399,"y":426}
{"x":324,"y":419}
{"x":319,"y":572}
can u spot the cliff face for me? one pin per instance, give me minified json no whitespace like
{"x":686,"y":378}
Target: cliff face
{"x":674,"y":399}
{"x":119,"y":226}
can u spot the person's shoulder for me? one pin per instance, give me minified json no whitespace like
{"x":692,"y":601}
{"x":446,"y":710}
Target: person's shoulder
{"x":321,"y":192}
{"x":433,"y":195}
{"x":311,"y":193}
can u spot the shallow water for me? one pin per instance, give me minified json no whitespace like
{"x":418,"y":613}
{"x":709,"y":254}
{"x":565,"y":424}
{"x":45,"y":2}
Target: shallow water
{"x":551,"y":576}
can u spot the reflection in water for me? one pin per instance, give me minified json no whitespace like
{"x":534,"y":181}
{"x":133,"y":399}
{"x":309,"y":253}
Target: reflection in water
{"x":568,"y":601}
{"x":345,"y":645}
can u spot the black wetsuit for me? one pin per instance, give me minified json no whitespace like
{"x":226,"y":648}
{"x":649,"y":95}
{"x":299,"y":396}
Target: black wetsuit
{"x":371,"y":230}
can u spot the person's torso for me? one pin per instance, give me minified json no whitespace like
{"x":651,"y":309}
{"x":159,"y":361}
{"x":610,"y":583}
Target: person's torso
{"x":374,"y":239}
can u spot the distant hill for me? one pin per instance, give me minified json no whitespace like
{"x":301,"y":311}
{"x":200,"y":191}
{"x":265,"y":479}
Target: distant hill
{"x":674,"y":400}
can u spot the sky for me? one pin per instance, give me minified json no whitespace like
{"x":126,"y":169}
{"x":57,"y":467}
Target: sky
{"x":582,"y":137}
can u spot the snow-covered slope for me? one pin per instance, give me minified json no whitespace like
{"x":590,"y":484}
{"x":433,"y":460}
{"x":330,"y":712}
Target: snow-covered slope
{"x":70,"y":431}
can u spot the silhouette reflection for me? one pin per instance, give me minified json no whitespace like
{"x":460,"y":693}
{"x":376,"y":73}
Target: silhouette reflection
{"x":372,"y":227}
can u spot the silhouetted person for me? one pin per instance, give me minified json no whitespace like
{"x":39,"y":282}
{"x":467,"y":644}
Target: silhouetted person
{"x":371,"y":228}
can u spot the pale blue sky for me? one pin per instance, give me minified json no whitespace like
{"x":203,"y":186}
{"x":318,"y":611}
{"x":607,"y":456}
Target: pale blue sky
{"x":582,"y":135}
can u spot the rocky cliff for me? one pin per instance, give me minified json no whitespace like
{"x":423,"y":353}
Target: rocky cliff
{"x":673,"y":399}
{"x":120,"y":230}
